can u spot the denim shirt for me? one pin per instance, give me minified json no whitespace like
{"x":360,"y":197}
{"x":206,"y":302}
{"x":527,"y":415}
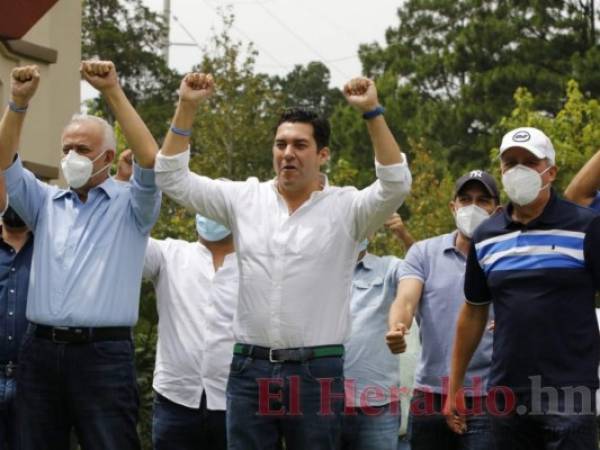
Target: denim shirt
{"x":14,"y":282}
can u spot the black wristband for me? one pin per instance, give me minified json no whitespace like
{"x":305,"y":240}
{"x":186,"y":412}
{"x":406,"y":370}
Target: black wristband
{"x":14,"y":108}
{"x":379,"y":110}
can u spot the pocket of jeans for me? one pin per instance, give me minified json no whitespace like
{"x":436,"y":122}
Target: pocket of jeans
{"x":325,"y":368}
{"x":239,"y":364}
{"x":119,"y":350}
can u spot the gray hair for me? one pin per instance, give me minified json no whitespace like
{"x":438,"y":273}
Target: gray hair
{"x":109,"y":141}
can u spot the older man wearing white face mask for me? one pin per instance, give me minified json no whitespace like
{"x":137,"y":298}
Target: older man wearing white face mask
{"x":538,"y":263}
{"x":430,"y":290}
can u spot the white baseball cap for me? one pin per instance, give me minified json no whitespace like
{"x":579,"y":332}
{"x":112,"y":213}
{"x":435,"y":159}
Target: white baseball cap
{"x":530,"y":139}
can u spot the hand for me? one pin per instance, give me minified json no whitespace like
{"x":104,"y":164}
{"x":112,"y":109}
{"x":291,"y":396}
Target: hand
{"x":396,"y":225}
{"x":395,"y":338}
{"x":23,"y":84}
{"x":196,"y":87}
{"x":361,"y":93}
{"x":454,"y":404}
{"x":100,"y":74}
{"x":125,"y":165}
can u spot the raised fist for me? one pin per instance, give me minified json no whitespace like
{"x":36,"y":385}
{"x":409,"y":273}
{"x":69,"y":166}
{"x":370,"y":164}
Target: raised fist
{"x":100,"y":74}
{"x":361,"y":93}
{"x":196,"y":87}
{"x":23,"y":84}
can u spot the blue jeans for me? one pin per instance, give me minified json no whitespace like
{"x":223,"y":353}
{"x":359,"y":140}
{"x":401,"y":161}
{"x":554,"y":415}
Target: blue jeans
{"x":298,"y":403}
{"x":176,"y":427}
{"x":90,"y":388}
{"x":8,"y":413}
{"x":428,"y":429}
{"x":373,"y":429}
{"x":547,"y":426}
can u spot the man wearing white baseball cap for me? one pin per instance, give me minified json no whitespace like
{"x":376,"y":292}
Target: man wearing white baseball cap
{"x":538,"y":262}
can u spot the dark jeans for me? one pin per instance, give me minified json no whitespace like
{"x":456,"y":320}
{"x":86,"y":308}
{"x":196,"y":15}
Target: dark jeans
{"x":8,"y":413}
{"x":176,"y":427}
{"x":373,"y":428}
{"x":90,"y":388}
{"x":428,"y":429}
{"x":545,"y":423}
{"x":298,"y":403}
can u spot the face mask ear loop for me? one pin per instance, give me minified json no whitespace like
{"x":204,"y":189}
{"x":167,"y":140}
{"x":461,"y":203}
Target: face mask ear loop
{"x":542,"y":173}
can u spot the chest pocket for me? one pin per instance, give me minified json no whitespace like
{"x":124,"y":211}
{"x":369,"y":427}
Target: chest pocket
{"x":373,"y":283}
{"x":366,"y":293}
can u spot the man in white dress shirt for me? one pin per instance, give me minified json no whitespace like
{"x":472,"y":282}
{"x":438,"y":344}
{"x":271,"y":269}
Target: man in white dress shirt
{"x":196,"y":292}
{"x":296,"y":239}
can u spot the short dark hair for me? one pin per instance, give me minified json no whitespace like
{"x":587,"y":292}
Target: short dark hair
{"x":321,"y":128}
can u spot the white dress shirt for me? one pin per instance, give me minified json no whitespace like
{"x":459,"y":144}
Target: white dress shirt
{"x":295,"y":269}
{"x":195,"y":306}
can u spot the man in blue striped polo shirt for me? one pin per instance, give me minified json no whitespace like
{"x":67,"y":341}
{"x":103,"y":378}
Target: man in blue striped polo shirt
{"x":539,"y":263}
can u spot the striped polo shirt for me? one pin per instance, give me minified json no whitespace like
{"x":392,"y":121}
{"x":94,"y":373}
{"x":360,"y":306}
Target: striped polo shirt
{"x":541,"y":278}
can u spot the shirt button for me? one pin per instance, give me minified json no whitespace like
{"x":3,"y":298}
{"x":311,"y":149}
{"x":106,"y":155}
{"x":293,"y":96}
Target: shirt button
{"x":10,"y":313}
{"x":12,"y":269}
{"x":10,"y":338}
{"x":12,"y":291}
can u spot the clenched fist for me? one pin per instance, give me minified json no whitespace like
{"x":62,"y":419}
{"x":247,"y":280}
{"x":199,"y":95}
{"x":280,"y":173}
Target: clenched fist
{"x":100,"y":74}
{"x":23,"y":84}
{"x":361,"y":93}
{"x":196,"y":87}
{"x":395,"y":338}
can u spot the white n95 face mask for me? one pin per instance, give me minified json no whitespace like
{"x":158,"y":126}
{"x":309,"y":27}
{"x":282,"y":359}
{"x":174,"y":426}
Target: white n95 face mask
{"x":77,"y":169}
{"x":468,"y":218}
{"x":522,"y":184}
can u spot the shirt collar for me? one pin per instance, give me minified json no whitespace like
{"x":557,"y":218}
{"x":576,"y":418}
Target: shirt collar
{"x":547,"y":217}
{"x":367,"y":262}
{"x":324,"y":182}
{"x":108,"y":186}
{"x":449,"y":242}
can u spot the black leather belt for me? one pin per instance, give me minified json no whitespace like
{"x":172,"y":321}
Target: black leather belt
{"x":289,"y":354}
{"x":82,"y":335}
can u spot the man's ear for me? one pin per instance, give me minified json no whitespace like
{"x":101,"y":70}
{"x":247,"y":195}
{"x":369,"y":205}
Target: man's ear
{"x":324,"y":155}
{"x":109,"y":156}
{"x":452,"y":207}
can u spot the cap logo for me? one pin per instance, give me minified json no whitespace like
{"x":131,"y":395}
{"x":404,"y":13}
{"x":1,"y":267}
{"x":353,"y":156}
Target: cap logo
{"x":521,"y":136}
{"x":476,"y":174}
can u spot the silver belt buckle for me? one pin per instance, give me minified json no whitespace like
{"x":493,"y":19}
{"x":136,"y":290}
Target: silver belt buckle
{"x":55,"y":339}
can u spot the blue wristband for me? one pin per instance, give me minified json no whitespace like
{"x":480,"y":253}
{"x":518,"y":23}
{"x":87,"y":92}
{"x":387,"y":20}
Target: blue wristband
{"x":14,"y":108}
{"x":180,"y":132}
{"x":379,"y":110}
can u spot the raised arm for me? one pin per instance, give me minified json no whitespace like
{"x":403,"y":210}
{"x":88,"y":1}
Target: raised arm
{"x":396,"y":225}
{"x":362,"y":94}
{"x":103,"y":76}
{"x":585,"y":185}
{"x":194,"y":89}
{"x":23,"y":84}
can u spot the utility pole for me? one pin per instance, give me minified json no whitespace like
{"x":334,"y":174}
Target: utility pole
{"x":167,"y":19}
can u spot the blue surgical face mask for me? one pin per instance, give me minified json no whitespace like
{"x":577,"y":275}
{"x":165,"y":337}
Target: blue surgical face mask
{"x":363,"y":245}
{"x":209,"y":230}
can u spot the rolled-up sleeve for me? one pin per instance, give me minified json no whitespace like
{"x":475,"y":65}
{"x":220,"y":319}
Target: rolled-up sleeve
{"x":26,"y":193}
{"x":145,"y":198}
{"x":373,"y":205}
{"x":211,"y":198}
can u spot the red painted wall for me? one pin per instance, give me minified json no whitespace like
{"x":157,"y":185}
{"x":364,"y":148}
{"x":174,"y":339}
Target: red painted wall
{"x":17,"y":17}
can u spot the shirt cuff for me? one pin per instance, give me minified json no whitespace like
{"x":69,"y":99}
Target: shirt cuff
{"x":171,"y":163}
{"x":478,"y":303}
{"x":13,"y":173}
{"x":410,"y":276}
{"x":392,"y":172}
{"x":143,"y":177}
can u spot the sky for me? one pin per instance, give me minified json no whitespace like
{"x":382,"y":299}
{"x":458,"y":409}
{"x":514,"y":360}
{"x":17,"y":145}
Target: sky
{"x":285,"y":32}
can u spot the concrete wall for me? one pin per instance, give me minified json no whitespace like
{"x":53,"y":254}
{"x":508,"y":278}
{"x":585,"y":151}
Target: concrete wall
{"x":57,"y":98}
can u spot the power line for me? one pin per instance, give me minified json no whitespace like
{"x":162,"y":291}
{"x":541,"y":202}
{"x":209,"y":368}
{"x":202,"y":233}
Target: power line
{"x":300,"y":38}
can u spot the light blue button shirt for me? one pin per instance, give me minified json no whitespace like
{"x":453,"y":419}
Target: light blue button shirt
{"x":368,"y":362}
{"x":88,"y":257}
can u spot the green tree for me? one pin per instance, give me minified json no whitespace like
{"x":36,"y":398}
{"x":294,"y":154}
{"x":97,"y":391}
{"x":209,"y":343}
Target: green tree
{"x":456,"y":64}
{"x":308,"y":86}
{"x":129,"y":34}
